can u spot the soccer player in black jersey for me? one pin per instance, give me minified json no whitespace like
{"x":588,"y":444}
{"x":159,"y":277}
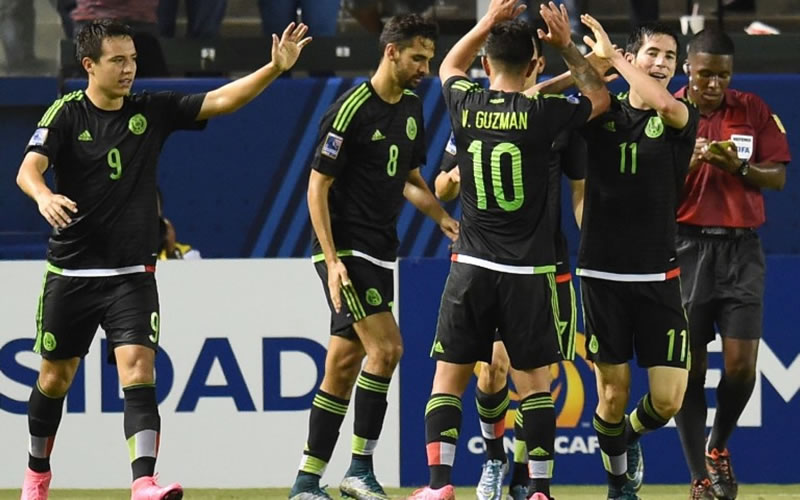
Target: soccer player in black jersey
{"x":370,"y":147}
{"x":638,"y":158}
{"x":492,"y":394}
{"x":104,"y":143}
{"x":502,"y":279}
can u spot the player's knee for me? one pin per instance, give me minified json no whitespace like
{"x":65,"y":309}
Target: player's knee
{"x":740,"y":370}
{"x":54,"y":383}
{"x":387,"y":355}
{"x":667,"y":405}
{"x":614,"y":397}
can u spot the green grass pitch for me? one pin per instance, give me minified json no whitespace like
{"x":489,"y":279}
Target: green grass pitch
{"x":649,"y":492}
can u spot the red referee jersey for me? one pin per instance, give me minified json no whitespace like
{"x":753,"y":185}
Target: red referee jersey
{"x":714,"y":197}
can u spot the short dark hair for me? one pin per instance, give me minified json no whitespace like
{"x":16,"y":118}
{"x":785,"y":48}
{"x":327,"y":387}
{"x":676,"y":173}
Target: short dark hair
{"x":638,"y":35}
{"x":89,"y":40}
{"x":511,"y":43}
{"x":711,"y":40}
{"x":401,"y":30}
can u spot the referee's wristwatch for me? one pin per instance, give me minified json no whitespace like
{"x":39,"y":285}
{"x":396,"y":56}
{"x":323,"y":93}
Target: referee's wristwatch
{"x":744,"y":168}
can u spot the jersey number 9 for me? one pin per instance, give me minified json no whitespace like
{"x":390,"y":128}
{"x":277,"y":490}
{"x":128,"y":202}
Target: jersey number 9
{"x":115,"y":162}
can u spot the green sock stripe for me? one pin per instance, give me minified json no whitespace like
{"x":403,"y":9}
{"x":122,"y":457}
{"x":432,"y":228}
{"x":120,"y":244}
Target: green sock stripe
{"x":605,"y":430}
{"x":372,"y":385}
{"x":648,"y":408}
{"x":551,"y":281}
{"x":518,"y":417}
{"x":530,"y":407}
{"x":349,"y":108}
{"x":637,"y":424}
{"x":137,"y":386}
{"x":324,"y":403}
{"x":606,"y":461}
{"x":440,"y":401}
{"x":493,"y":412}
{"x":520,"y":451}
{"x":313,"y":465}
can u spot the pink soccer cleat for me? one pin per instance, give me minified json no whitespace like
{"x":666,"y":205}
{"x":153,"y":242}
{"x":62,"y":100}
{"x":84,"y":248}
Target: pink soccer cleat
{"x":146,"y":488}
{"x":36,"y":485}
{"x":427,"y":493}
{"x":539,"y":496}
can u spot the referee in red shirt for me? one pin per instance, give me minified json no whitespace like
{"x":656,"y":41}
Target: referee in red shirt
{"x":741,"y":148}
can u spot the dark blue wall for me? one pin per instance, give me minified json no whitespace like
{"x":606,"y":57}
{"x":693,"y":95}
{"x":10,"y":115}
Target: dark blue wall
{"x":238,"y":188}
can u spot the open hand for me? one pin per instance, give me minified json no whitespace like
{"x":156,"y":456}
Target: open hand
{"x":286,"y":50}
{"x":503,"y":10}
{"x":557,"y":21}
{"x":601,"y":45}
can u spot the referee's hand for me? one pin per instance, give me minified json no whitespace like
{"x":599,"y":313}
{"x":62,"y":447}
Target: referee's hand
{"x":337,"y":281}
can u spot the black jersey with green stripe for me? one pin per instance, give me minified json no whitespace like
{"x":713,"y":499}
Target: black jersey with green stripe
{"x":105,"y":161}
{"x":503,"y":146}
{"x":637,"y":166}
{"x":369,"y":146}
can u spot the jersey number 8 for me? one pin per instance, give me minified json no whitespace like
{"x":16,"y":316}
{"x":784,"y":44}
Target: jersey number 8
{"x":476,"y":148}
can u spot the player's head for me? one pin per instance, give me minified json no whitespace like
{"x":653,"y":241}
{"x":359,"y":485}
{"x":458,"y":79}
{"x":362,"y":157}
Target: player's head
{"x":510,"y":50}
{"x":653,"y":48}
{"x":709,"y":66}
{"x":407,"y":44}
{"x":105,"y":50}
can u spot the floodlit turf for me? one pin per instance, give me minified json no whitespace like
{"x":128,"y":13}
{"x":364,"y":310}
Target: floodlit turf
{"x":649,"y":492}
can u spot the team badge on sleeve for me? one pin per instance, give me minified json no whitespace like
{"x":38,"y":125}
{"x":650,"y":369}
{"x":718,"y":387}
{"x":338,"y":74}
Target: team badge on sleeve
{"x":451,"y":145}
{"x":573,"y":99}
{"x":332,"y":145}
{"x":39,"y":137}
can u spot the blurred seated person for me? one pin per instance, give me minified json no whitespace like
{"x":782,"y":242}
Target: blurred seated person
{"x":203,"y":18}
{"x":141,"y":16}
{"x":321,"y":16}
{"x":170,"y":248}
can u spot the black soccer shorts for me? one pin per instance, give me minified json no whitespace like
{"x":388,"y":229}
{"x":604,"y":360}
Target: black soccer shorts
{"x":722,"y":285}
{"x":71,"y":309}
{"x":479,"y":303}
{"x":371,"y":292}
{"x":647,"y":318}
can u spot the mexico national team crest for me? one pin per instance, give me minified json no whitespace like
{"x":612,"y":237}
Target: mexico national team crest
{"x":411,"y":128}
{"x":137,"y":124}
{"x":654,"y":127}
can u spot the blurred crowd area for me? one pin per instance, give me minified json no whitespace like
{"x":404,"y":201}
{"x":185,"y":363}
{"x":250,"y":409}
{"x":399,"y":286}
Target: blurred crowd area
{"x":31,"y":31}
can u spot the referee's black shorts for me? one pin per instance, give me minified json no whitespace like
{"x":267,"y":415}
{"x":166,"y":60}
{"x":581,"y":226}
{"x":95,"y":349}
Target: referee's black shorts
{"x":722,"y":275}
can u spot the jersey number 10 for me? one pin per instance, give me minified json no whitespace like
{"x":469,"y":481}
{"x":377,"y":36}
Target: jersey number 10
{"x":476,"y":148}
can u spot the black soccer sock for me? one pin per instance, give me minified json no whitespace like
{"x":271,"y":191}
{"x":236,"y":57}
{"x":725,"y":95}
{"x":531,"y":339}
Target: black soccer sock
{"x":442,"y":423}
{"x":539,"y":427}
{"x":691,"y":422}
{"x":44,"y":415}
{"x":611,"y":438}
{"x":520,"y":474}
{"x":142,"y":428}
{"x":327,"y":414}
{"x":643,"y":419}
{"x":370,"y":410}
{"x":732,"y":396}
{"x":492,"y":413}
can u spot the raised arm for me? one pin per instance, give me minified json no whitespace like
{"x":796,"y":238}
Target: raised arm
{"x":672,"y":111}
{"x":416,"y":191}
{"x":236,"y":94}
{"x":461,"y":55}
{"x":586,"y":78}
{"x":54,"y":208}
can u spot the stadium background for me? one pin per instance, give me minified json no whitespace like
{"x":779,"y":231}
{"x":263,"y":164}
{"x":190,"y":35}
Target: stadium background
{"x":244,"y":339}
